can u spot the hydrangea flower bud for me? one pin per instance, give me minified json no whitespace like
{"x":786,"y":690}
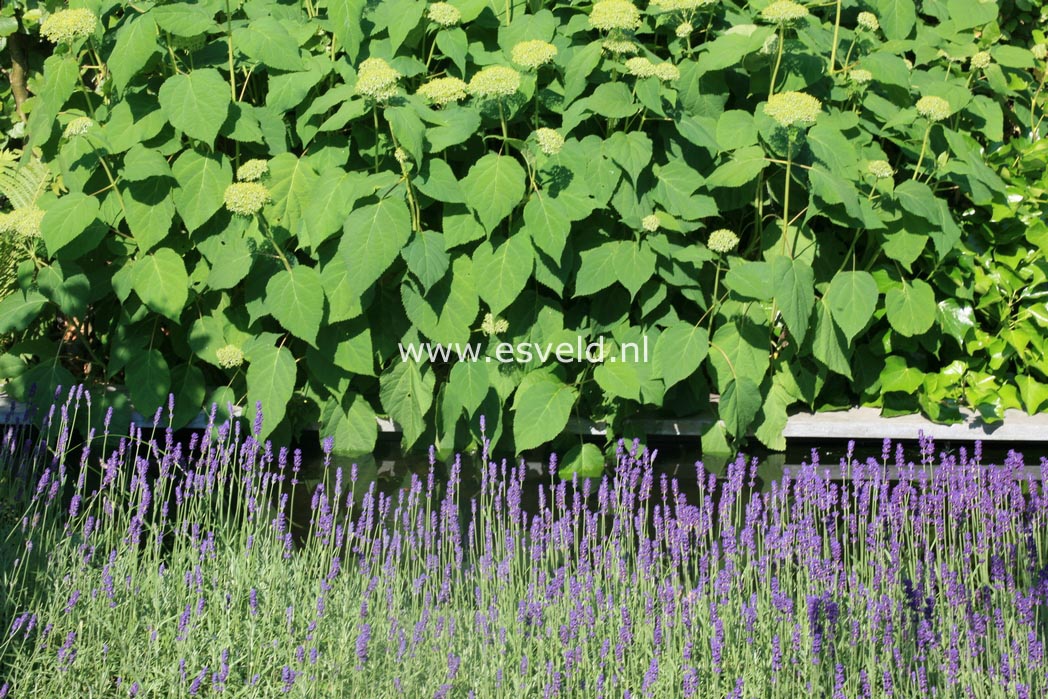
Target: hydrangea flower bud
{"x":793,"y":108}
{"x":868,"y":21}
{"x":229,"y":357}
{"x":67,"y":26}
{"x":532,"y":54}
{"x":1040,"y":51}
{"x":442,"y":91}
{"x":980,"y":60}
{"x":684,"y":30}
{"x":650,"y":223}
{"x":667,"y":72}
{"x":614,"y":14}
{"x":640,"y":67}
{"x":443,"y":13}
{"x":860,"y":76}
{"x":933,"y":108}
{"x":377,"y":80}
{"x":550,"y":142}
{"x":880,"y":169}
{"x":246,"y":198}
{"x":722,"y":241}
{"x":619,"y":46}
{"x":494,"y":81}
{"x":493,"y":325}
{"x":783,"y":12}
{"x":252,"y":170}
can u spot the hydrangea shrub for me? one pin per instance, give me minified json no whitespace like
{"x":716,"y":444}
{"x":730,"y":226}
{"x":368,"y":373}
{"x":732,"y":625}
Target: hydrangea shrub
{"x":792,"y":204}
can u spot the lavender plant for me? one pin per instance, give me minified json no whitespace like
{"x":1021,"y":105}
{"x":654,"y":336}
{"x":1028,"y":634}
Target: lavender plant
{"x":146,"y":567}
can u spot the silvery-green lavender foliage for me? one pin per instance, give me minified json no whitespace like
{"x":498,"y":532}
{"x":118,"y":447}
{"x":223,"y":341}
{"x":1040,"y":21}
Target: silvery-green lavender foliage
{"x":573,"y":169}
{"x":155,"y":568}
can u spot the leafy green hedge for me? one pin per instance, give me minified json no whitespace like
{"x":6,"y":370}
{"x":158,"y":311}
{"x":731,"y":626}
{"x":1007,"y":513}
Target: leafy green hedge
{"x":257,"y":201}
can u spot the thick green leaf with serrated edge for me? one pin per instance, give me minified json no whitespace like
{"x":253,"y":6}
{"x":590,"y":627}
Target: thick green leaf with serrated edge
{"x":618,"y":378}
{"x":160,"y":280}
{"x":267,"y":41}
{"x":61,"y":73}
{"x":345,"y":17}
{"x":352,"y":424}
{"x":679,"y":351}
{"x":148,"y":380}
{"x":585,"y":460}
{"x":66,"y":219}
{"x":202,"y":181}
{"x":897,"y":17}
{"x":734,"y":354}
{"x":493,"y":188}
{"x":541,"y":408}
{"x":150,"y":211}
{"x":141,"y":163}
{"x":446,"y":314}
{"x":675,"y":190}
{"x":750,"y":279}
{"x":735,"y":129}
{"x":437,"y":181}
{"x":292,"y":182}
{"x":296,"y":299}
{"x":743,"y":168}
{"x":18,"y":309}
{"x":185,"y":19}
{"x":503,"y":270}
{"x":343,"y":299}
{"x":630,"y":151}
{"x":373,"y":238}
{"x":206,"y":337}
{"x":739,"y":404}
{"x":547,"y":222}
{"x":634,"y":265}
{"x":468,"y":384}
{"x":406,"y":392}
{"x":271,"y":382}
{"x":794,"y":283}
{"x":460,"y":226}
{"x":774,"y":418}
{"x":230,"y":256}
{"x":596,"y":269}
{"x":910,"y":307}
{"x":196,"y":104}
{"x":426,"y":257}
{"x":408,"y":129}
{"x":612,"y":100}
{"x":287,"y":90}
{"x":1033,"y":393}
{"x":829,"y":344}
{"x":852,"y":299}
{"x":897,"y":376}
{"x":70,"y":293}
{"x":135,"y":45}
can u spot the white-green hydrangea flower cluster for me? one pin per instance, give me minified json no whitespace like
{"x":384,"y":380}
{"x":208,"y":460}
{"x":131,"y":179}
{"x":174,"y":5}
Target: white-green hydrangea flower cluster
{"x":643,"y":68}
{"x":650,"y":223}
{"x":67,"y":26}
{"x":229,"y":357}
{"x":493,"y":326}
{"x":860,"y":76}
{"x":252,"y":170}
{"x":881,"y":169}
{"x":377,"y":80}
{"x":534,"y":53}
{"x":933,"y":108}
{"x":980,"y":60}
{"x":783,"y":12}
{"x":684,"y":30}
{"x":246,"y":198}
{"x":443,"y":13}
{"x":619,"y":47}
{"x":770,"y":45}
{"x":609,"y":15}
{"x":77,"y":127}
{"x":868,"y":21}
{"x":550,"y":142}
{"x":402,"y":157}
{"x":494,"y":82}
{"x":23,"y":222}
{"x":793,"y":108}
{"x":442,"y":91}
{"x":722,"y":241}
{"x":679,"y":5}
{"x":1040,"y":51}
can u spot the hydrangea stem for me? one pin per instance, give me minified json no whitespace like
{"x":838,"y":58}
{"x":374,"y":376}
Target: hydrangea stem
{"x":924,"y":149}
{"x":836,"y":35}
